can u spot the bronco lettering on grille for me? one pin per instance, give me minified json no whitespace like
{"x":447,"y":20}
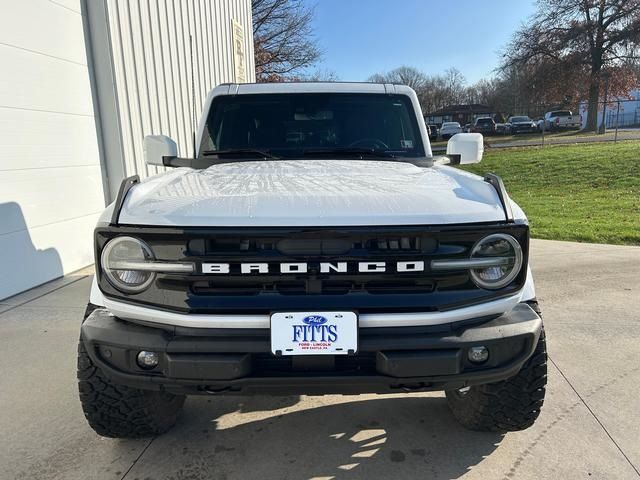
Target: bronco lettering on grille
{"x":303,"y":267}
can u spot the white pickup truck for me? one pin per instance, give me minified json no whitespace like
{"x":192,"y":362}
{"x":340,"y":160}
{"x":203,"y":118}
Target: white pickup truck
{"x":559,"y":119}
{"x":312,"y":245}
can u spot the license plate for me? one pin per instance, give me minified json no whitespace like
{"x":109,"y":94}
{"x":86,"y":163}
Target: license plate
{"x":314,"y":333}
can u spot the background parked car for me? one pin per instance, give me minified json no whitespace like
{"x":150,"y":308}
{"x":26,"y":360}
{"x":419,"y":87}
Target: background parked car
{"x":503,"y":128}
{"x":467,"y":128}
{"x":522,"y":124}
{"x":449,"y":129}
{"x":433,"y":132}
{"x":558,"y":119}
{"x":485,"y":125}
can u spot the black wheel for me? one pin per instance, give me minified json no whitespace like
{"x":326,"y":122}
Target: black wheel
{"x":510,"y":405}
{"x":117,"y":411}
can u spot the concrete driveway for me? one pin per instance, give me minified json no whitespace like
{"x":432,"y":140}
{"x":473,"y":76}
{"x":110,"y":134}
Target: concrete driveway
{"x":589,"y":427}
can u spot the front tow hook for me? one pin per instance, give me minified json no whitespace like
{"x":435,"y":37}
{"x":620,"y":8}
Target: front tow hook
{"x":212,"y":391}
{"x":414,"y":387}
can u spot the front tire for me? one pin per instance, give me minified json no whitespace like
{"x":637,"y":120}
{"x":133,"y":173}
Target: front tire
{"x":118,"y":411}
{"x":507,"y":406}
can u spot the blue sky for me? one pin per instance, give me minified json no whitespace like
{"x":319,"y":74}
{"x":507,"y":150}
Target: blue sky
{"x":362,"y":37}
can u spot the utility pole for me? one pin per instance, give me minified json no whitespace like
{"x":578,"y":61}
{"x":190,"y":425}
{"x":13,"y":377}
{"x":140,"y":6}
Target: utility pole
{"x":615,"y":140}
{"x":603,"y":127}
{"x":544,"y":121}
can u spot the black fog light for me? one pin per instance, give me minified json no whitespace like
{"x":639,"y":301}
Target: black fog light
{"x":478,"y":354}
{"x":147,"y":360}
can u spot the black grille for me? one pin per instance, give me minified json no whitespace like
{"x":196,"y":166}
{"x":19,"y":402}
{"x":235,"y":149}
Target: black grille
{"x":351,"y":290}
{"x":204,"y":247}
{"x":310,"y":286}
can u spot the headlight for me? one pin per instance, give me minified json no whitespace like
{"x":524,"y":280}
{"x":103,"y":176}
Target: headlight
{"x":503,"y":257}
{"x":123,"y":260}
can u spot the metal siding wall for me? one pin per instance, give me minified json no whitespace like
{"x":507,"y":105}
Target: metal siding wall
{"x":152,"y":66}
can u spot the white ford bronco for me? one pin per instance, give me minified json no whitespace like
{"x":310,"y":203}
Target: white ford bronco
{"x":312,"y":245}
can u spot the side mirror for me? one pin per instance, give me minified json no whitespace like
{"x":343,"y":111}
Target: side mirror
{"x":157,"y":146}
{"x":464,"y":148}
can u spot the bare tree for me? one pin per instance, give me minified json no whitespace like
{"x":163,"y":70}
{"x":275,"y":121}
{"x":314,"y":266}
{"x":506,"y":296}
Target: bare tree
{"x":404,"y":75}
{"x":435,"y":95}
{"x":483,"y":92}
{"x":434,"y":92}
{"x":455,"y":85}
{"x":409,"y":76}
{"x":321,"y":75}
{"x":586,"y":37}
{"x":283,"y":39}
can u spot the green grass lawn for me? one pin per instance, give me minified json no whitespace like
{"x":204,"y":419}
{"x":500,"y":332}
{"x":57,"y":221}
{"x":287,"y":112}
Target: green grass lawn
{"x":585,"y":193}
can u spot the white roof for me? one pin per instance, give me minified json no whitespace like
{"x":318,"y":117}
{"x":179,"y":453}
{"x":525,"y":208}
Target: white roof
{"x":310,"y":87}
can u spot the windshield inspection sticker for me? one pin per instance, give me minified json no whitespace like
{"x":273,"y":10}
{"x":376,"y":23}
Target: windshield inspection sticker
{"x":406,"y":143}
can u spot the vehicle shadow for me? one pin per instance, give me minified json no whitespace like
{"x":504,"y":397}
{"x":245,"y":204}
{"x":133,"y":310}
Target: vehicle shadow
{"x":331,"y":437}
{"x":23,"y":266}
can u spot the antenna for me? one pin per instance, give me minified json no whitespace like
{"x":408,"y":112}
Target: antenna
{"x":193,"y":95}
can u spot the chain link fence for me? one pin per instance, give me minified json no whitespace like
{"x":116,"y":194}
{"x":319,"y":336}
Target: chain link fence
{"x":622,"y":114}
{"x":618,"y":119}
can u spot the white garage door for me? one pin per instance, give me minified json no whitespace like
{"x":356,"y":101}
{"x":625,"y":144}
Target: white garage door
{"x":50,"y":178}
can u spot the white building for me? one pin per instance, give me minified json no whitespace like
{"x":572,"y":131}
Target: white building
{"x":623,"y":112}
{"x":82,"y":82}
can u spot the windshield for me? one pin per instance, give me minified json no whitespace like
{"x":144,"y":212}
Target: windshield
{"x":311,"y":125}
{"x":520,"y":119}
{"x":484,"y":121}
{"x":451,"y":125}
{"x":561,"y":113}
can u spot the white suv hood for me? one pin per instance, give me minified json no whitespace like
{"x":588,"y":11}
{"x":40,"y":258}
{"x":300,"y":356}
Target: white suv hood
{"x":312,"y":193}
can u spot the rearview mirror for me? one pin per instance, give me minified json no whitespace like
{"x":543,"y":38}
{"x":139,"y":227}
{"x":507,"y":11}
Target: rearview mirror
{"x":465,"y":148}
{"x":158,"y":146}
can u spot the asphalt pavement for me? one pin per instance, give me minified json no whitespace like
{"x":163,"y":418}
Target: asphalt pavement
{"x":590,"y":296}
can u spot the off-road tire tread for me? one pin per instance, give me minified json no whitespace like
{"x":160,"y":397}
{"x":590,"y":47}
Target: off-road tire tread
{"x":510,"y":405}
{"x":118,"y":411}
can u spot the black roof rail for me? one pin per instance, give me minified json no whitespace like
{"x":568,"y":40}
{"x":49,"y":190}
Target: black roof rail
{"x":498,"y":184}
{"x":125,"y":186}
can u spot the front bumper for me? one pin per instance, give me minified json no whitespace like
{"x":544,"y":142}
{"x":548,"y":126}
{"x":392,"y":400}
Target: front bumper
{"x":239,"y":361}
{"x":485,"y":131}
{"x":524,"y":129}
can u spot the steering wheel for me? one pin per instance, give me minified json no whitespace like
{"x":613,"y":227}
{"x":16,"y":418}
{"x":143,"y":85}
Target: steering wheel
{"x":374,"y":143}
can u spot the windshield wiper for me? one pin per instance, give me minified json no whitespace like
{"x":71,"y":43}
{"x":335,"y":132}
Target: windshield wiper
{"x":369,"y":152}
{"x":240,"y":151}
